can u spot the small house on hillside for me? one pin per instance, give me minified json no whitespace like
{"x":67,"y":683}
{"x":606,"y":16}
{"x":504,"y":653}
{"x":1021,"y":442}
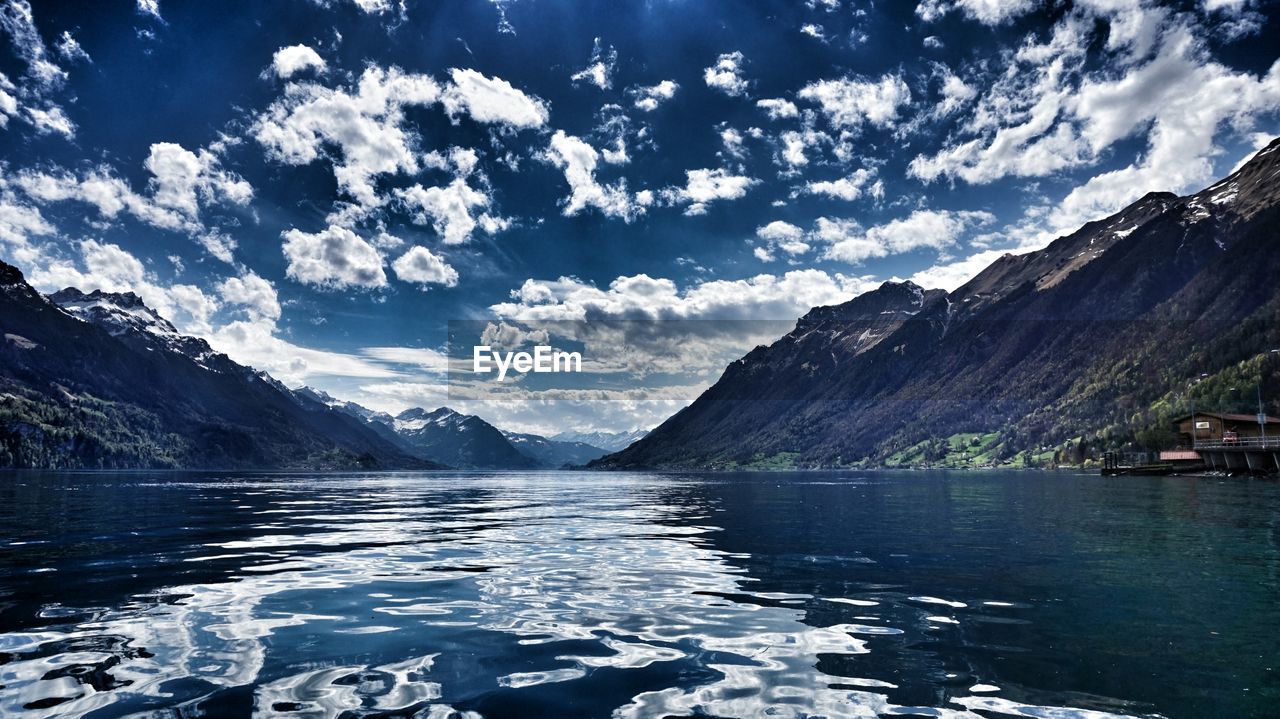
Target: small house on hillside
{"x":1220,"y":426}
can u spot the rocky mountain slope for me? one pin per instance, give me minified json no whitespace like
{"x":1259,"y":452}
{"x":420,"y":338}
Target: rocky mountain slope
{"x":100,"y":380}
{"x":1095,"y":340}
{"x":458,"y":440}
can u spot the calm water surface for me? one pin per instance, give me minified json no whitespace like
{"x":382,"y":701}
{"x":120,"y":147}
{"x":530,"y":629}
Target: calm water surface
{"x":852,"y":594}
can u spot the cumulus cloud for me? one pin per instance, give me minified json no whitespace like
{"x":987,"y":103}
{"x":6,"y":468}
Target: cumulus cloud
{"x":814,"y":31}
{"x":370,"y":7}
{"x":32,"y":98}
{"x":578,"y":160}
{"x":599,"y":69}
{"x":70,"y":50}
{"x":454,"y":211}
{"x":849,"y":102}
{"x":364,"y":128}
{"x":1044,"y":114}
{"x":844,"y":188}
{"x":289,"y":61}
{"x":648,"y":98}
{"x":492,"y":100}
{"x":726,"y":75}
{"x":987,"y":12}
{"x":182,"y":182}
{"x":954,"y":273}
{"x":778,"y":109}
{"x":254,"y":294}
{"x":705,"y":186}
{"x":762,"y":297}
{"x":848,"y":242}
{"x":333,"y":257}
{"x":424,"y":267}
{"x":782,"y":236}
{"x":150,"y":7}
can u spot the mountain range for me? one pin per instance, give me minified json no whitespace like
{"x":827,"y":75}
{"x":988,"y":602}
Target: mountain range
{"x":100,"y":380}
{"x":1093,"y":342}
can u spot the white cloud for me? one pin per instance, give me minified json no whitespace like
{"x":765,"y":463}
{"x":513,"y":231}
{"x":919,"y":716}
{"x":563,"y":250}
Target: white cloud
{"x":333,"y":257}
{"x":988,"y":12}
{"x":1044,"y":115}
{"x":704,"y":186}
{"x":365,"y":127}
{"x":762,"y":297}
{"x":32,"y":98}
{"x":779,"y":230}
{"x":814,"y":31}
{"x":725,"y":75}
{"x":849,"y":102}
{"x":648,"y":98}
{"x":150,"y":7}
{"x":255,"y":343}
{"x":847,"y":241}
{"x":251,"y":292}
{"x":422,"y":266}
{"x":183,"y":180}
{"x":19,"y":223}
{"x":781,"y":235}
{"x":369,"y":7}
{"x":70,"y":49}
{"x":733,"y":142}
{"x":454,"y":210}
{"x":288,"y":61}
{"x":844,"y":188}
{"x":599,"y":70}
{"x":182,"y":183}
{"x":578,"y":161}
{"x":778,"y":109}
{"x":955,"y":93}
{"x":492,"y":100}
{"x":952,"y":274}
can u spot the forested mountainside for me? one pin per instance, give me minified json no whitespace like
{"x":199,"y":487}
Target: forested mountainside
{"x":100,"y":380}
{"x":1093,"y":342}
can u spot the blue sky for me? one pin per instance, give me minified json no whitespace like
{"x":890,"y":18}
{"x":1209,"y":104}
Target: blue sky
{"x":320,"y":187}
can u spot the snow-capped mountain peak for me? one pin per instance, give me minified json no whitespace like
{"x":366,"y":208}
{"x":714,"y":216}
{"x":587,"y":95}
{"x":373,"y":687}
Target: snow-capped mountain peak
{"x":126,"y":316}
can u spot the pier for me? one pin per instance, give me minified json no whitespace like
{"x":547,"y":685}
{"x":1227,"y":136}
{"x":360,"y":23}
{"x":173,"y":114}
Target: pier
{"x":1253,"y":454}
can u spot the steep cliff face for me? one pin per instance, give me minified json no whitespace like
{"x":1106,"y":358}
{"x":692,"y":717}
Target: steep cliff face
{"x":1092,"y":336}
{"x":100,"y":380}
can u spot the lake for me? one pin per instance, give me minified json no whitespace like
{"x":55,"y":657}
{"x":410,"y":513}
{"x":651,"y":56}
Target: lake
{"x":838,"y":594}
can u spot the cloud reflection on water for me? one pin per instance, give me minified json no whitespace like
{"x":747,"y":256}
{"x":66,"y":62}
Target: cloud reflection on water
{"x":403,"y":594}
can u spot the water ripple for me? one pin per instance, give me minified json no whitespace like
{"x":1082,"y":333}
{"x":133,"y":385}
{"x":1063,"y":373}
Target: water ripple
{"x":488,"y":596}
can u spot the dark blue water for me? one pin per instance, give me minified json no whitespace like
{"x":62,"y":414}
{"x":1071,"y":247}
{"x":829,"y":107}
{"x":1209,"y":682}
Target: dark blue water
{"x":852,"y":594}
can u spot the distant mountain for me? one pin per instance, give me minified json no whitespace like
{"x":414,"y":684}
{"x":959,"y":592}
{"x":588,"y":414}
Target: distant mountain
{"x":100,"y":380}
{"x":554,"y":454}
{"x":350,"y":408}
{"x":611,"y":441}
{"x":1090,"y":343}
{"x":459,"y":440}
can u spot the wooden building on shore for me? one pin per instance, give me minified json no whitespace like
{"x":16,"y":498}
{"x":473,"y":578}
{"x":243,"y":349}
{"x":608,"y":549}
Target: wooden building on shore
{"x":1216,"y":427}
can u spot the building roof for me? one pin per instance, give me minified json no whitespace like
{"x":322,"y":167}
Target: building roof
{"x":1229,"y":417}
